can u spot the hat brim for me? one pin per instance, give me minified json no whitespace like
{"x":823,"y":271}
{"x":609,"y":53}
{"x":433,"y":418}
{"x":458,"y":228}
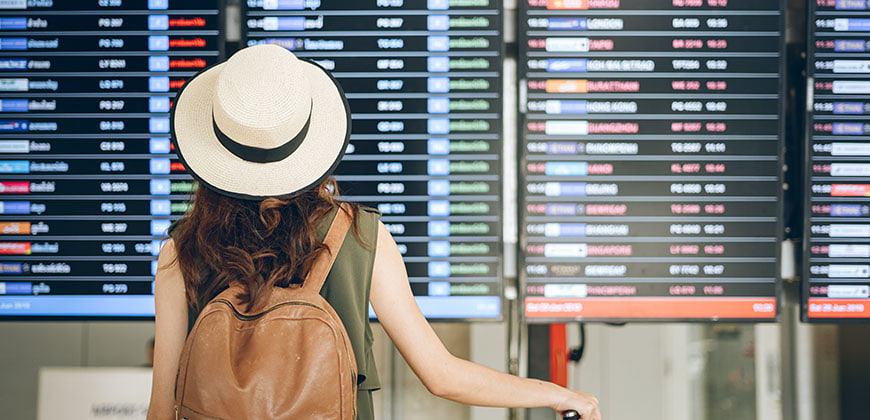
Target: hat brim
{"x":207,"y":160}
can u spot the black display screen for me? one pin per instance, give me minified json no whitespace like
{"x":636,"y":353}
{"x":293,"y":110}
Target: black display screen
{"x":836,"y":278}
{"x":650,"y":169}
{"x":88,"y":180}
{"x":423,"y":79}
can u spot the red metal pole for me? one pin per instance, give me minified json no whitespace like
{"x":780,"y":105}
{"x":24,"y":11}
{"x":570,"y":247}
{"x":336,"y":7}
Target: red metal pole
{"x":559,"y":354}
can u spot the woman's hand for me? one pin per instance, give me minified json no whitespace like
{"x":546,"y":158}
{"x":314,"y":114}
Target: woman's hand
{"x":584,"y":404}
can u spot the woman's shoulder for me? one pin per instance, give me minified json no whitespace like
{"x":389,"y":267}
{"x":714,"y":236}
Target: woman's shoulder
{"x":366,"y":211}
{"x":367,"y":220}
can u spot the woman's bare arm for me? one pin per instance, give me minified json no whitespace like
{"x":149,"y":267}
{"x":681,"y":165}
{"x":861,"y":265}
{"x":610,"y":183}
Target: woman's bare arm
{"x":170,"y":332}
{"x":442,"y":373}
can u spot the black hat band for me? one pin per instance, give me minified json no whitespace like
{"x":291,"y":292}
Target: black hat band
{"x":258,"y":154}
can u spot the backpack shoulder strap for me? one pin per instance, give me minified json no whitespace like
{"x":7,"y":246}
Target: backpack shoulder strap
{"x":333,"y":240}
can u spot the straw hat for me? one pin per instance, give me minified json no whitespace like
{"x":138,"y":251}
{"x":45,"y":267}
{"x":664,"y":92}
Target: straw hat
{"x":262,"y":124}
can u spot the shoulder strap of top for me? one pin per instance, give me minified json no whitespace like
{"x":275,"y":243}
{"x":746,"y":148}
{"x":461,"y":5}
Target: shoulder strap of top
{"x":333,"y":240}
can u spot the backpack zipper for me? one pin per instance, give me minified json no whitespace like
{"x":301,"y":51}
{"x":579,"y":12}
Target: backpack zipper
{"x":242,"y":317}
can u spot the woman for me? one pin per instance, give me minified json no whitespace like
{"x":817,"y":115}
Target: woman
{"x":262,"y":133}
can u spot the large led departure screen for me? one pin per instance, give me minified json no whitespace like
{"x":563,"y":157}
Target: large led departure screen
{"x":837,"y":234}
{"x":87,"y":182}
{"x":423,"y":79}
{"x":650,"y":159}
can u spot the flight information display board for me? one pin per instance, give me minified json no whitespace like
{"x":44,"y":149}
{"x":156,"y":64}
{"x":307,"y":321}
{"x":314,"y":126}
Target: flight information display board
{"x":423,"y":79}
{"x":836,"y":278}
{"x":650,"y":159}
{"x":88,"y":185}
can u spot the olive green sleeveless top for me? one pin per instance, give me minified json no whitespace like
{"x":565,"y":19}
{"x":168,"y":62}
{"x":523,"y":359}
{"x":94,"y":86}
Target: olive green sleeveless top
{"x":347,"y":289}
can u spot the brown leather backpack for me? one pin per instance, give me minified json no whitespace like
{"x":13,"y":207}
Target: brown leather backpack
{"x":292,"y":360}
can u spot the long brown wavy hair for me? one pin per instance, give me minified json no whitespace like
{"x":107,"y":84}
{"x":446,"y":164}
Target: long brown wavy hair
{"x":261,"y":244}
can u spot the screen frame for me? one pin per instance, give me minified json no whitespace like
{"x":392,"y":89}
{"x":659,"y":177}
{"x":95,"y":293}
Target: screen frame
{"x":501,"y":204}
{"x":809,"y":113}
{"x":522,"y":38}
{"x":221,"y":17}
